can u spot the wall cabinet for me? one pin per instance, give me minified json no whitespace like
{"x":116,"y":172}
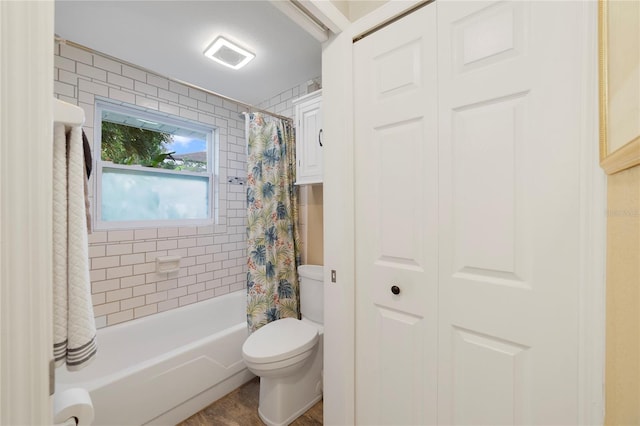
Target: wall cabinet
{"x":309,"y":138}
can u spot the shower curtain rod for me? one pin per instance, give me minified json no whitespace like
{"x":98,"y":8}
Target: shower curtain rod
{"x":251,"y":108}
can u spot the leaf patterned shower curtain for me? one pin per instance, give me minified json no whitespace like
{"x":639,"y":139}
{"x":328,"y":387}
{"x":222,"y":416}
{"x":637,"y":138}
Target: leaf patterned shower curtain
{"x":272,"y":222}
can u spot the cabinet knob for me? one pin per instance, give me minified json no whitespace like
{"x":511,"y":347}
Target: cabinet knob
{"x":320,"y":137}
{"x":395,"y":289}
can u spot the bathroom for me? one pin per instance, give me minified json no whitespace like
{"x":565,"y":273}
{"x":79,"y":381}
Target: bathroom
{"x":447,"y":326}
{"x":139,"y":269}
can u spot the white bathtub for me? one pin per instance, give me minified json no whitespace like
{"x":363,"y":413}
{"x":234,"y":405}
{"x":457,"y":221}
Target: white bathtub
{"x":163,"y":368}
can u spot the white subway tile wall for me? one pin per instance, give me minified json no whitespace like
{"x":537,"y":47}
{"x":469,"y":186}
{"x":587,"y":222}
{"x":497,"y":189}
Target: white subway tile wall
{"x":282,"y":103}
{"x":124,"y":281}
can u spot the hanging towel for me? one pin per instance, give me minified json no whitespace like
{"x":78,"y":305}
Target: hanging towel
{"x":88,"y":162}
{"x":74,"y":324}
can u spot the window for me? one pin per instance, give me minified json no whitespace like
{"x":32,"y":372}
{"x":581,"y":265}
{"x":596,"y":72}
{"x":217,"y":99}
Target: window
{"x":153,"y":170}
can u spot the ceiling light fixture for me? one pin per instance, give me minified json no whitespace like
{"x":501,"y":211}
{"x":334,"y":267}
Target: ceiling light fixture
{"x":228,"y":54}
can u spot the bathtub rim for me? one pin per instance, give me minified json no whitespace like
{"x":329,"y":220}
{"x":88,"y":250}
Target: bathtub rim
{"x":105,"y":380}
{"x":173,"y":311}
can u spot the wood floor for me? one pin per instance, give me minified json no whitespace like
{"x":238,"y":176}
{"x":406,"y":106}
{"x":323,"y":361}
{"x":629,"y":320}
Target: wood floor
{"x":240,"y":408}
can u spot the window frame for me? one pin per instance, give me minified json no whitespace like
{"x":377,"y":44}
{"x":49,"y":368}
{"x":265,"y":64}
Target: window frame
{"x":212,"y":173}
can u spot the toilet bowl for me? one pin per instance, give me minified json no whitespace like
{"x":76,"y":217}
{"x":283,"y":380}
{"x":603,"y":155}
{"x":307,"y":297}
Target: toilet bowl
{"x":287,"y":355}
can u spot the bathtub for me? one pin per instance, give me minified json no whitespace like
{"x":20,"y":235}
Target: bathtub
{"x":163,"y":368}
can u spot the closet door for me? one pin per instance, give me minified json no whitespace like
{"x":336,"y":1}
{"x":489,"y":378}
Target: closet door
{"x":396,"y":222}
{"x":468,"y":206}
{"x":509,"y":203}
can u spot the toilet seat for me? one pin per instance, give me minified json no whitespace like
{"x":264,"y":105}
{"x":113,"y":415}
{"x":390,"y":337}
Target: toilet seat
{"x":279,"y":340}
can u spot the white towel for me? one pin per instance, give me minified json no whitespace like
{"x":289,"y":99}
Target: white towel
{"x":74,"y":324}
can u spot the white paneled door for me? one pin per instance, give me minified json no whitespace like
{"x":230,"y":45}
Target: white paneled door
{"x":396,"y":171}
{"x":468,"y":216}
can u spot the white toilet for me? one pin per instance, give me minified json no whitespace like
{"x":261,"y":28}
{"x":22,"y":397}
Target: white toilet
{"x":287,"y":355}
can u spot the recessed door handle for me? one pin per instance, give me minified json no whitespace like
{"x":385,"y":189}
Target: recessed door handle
{"x":320,"y":137}
{"x":395,"y":289}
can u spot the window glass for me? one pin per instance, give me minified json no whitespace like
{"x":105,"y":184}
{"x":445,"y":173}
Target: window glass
{"x":139,"y":195}
{"x":152,"y":168}
{"x":136,"y":141}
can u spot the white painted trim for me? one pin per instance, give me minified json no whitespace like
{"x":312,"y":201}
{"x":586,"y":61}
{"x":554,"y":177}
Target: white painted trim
{"x":338,"y":213}
{"x":306,"y":97}
{"x":384,"y":13}
{"x":593,"y":231}
{"x":301,"y":18}
{"x":26,"y":131}
{"x":339,"y":242}
{"x":327,"y":13}
{"x":339,"y":227}
{"x":154,"y":170}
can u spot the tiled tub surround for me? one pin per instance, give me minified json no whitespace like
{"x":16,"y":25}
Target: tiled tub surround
{"x":124,"y":282}
{"x":123,"y":264}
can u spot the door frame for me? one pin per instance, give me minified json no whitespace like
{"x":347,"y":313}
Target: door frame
{"x":26,"y":131}
{"x":339,"y":225}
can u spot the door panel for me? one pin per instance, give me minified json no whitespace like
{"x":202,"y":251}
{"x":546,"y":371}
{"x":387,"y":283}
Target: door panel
{"x":396,"y":156}
{"x":309,"y":149}
{"x":487,"y":147}
{"x":486,"y":35}
{"x":508,"y":211}
{"x":501,"y":378}
{"x":467,"y":198}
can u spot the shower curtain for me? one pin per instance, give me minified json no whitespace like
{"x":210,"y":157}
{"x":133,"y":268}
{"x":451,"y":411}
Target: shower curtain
{"x":272,"y":222}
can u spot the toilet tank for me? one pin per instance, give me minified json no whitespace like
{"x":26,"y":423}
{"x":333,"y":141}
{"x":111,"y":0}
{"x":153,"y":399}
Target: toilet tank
{"x":312,"y":292}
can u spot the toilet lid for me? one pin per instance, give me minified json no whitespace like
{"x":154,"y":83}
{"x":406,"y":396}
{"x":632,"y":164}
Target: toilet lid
{"x":280,"y":340}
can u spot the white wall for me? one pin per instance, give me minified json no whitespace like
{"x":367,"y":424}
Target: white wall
{"x":282,"y":103}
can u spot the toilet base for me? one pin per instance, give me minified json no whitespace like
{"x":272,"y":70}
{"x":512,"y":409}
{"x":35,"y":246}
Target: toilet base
{"x":294,"y":416}
{"x":284,"y":399}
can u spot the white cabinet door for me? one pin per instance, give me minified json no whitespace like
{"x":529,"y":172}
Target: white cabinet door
{"x":467,"y":199}
{"x":396,"y":223}
{"x":309,"y":139}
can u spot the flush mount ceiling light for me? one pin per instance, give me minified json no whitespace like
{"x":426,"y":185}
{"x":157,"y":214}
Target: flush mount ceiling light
{"x":228,"y":54}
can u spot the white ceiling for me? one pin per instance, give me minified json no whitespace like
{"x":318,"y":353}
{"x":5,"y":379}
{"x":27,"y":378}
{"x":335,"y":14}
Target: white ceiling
{"x":168,"y":37}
